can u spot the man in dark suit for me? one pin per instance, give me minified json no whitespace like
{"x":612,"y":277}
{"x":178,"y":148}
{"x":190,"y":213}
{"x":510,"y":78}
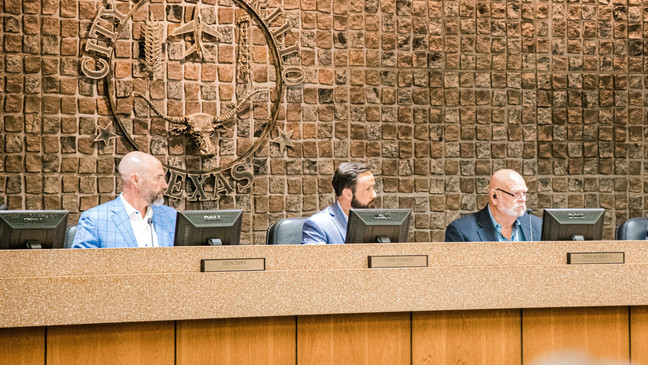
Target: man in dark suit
{"x":503,"y":219}
{"x":354,"y":188}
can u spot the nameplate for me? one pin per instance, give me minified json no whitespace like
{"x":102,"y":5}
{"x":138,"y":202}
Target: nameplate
{"x":398,"y":261}
{"x":596,"y":257}
{"x":215,"y":265}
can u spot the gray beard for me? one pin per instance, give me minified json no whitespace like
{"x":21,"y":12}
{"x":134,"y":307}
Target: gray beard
{"x":153,"y":200}
{"x":512,"y":212}
{"x":158,"y":202}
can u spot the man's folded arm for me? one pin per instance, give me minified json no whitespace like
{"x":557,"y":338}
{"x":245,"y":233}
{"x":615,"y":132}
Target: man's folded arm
{"x":453,"y":234}
{"x":312,"y":234}
{"x":86,"y":234}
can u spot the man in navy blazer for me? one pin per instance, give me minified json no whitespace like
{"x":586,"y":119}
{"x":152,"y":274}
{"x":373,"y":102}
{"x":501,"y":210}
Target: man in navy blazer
{"x":354,"y":188}
{"x":136,"y":218}
{"x":503,"y":219}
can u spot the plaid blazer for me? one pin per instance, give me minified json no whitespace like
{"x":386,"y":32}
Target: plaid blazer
{"x":108,"y":226}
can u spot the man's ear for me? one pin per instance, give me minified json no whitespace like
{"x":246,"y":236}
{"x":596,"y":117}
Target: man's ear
{"x":347,"y":193}
{"x":135,"y":179}
{"x":494,"y":196}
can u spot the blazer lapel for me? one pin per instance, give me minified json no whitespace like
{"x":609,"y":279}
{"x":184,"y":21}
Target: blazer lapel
{"x":525,"y":224}
{"x":122,"y":223}
{"x":486,"y":231}
{"x":160,"y":222}
{"x":338,"y":218}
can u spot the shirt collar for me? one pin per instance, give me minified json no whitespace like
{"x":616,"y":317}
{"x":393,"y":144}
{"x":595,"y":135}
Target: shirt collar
{"x":346,"y":217}
{"x":132,"y":212}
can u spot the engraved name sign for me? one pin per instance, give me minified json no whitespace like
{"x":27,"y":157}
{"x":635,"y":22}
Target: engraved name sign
{"x":398,"y":261}
{"x":217,"y":265}
{"x":596,"y":258}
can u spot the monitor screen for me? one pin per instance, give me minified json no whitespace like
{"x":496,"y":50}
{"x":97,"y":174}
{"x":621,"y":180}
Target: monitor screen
{"x":23,"y":229}
{"x":572,"y":224}
{"x":378,"y":225}
{"x":208,"y":227}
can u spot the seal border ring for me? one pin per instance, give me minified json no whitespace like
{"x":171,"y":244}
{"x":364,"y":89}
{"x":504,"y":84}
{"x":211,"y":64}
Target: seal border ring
{"x":272,"y":121}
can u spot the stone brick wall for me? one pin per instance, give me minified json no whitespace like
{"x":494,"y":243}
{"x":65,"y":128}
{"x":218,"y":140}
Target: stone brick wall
{"x":434,"y":95}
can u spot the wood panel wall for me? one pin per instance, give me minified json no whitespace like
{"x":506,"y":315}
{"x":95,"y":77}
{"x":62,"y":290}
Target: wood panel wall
{"x":382,"y":338}
{"x":22,"y":345}
{"x":602,"y":333}
{"x":466,"y":337}
{"x":451,"y":337}
{"x":237,"y":341}
{"x":107,"y":344}
{"x":639,"y":334}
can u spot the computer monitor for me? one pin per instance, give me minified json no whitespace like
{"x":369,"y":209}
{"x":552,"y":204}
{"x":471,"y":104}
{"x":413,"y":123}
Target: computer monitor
{"x":378,"y":225}
{"x":572,"y":224}
{"x":208,"y":227}
{"x":25,"y":229}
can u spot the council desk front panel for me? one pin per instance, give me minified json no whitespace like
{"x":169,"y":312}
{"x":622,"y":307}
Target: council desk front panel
{"x":477,"y":303}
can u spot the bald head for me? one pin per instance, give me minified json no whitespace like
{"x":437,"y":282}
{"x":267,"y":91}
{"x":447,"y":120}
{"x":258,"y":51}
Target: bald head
{"x":138,"y":163}
{"x":507,"y":196}
{"x":143,"y":180}
{"x":505,"y":179}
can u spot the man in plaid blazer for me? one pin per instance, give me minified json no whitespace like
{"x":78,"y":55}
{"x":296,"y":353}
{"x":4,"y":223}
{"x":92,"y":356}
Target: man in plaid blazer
{"x":137,"y":217}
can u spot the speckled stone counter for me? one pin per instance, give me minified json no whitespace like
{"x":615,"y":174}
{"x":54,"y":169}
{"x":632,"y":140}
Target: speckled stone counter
{"x":62,"y":287}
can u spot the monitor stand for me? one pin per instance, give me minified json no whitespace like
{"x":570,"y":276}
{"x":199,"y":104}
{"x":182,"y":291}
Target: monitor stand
{"x":33,"y":245}
{"x":578,"y":237}
{"x":383,"y":239}
{"x":214,"y":242}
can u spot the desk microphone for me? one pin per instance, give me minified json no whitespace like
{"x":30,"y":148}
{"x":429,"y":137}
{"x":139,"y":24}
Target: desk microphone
{"x":150,"y":222}
{"x":530,"y":212}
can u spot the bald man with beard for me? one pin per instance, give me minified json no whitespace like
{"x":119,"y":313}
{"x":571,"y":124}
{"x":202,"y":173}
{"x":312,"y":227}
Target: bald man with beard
{"x":137,"y":217}
{"x":503,"y":219}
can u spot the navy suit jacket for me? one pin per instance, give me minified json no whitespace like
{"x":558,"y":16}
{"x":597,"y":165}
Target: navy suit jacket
{"x":328,"y":226}
{"x":108,"y":226}
{"x":478,"y":227}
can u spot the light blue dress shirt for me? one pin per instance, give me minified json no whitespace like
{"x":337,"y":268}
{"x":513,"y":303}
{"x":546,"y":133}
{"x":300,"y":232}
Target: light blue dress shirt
{"x":516,"y":236}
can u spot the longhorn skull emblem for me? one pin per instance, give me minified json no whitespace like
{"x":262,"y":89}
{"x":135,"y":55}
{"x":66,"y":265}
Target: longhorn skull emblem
{"x":200,"y":126}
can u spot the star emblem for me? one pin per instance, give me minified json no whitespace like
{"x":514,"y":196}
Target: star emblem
{"x":105,"y":134}
{"x":283,"y":140}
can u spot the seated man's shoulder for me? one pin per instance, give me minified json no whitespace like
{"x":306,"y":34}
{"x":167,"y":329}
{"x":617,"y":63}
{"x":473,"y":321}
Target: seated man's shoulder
{"x":167,"y":211}
{"x":314,"y":228}
{"x":324,"y":215}
{"x":467,"y":219}
{"x":100,"y":209}
{"x":91,"y":223}
{"x":461,"y":229}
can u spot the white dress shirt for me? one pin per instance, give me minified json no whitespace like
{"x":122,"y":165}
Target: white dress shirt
{"x":143,"y":231}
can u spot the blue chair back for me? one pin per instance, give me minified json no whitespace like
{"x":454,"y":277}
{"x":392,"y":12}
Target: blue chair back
{"x":287,"y":231}
{"x":633,"y":229}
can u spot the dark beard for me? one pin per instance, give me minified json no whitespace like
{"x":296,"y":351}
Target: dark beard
{"x":355,"y":204}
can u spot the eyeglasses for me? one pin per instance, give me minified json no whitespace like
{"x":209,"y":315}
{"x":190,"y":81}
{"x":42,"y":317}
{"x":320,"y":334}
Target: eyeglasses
{"x":516,"y":196}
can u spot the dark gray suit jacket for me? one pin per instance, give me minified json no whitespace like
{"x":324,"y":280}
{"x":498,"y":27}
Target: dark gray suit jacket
{"x":478,"y":227}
